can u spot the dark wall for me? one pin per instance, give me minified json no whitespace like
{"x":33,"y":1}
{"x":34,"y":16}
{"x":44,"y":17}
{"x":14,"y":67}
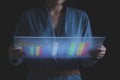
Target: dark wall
{"x":101,"y":14}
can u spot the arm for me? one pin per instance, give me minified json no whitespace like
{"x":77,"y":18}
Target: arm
{"x":16,"y":54}
{"x":95,"y":54}
{"x":87,"y":32}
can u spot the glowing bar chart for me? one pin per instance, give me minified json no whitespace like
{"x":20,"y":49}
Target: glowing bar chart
{"x":58,"y":47}
{"x":37,"y":51}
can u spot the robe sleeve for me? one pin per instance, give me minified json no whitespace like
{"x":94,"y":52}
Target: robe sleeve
{"x":20,"y":30}
{"x":87,"y":32}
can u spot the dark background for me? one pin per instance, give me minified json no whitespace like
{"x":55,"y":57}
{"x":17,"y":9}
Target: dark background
{"x":103,"y":16}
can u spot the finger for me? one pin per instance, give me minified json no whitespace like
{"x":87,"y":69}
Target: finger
{"x":98,"y":54}
{"x":98,"y":57}
{"x":17,"y":55}
{"x":17,"y":49}
{"x":101,"y":53}
{"x":102,"y":48}
{"x":95,"y":51}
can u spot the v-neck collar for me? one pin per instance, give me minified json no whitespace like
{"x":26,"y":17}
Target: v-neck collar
{"x":61,"y":23}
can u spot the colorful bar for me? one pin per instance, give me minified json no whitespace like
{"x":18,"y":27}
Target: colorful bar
{"x":85,"y":50}
{"x":40,"y":51}
{"x":37,"y":51}
{"x":55,"y":47}
{"x":20,"y":43}
{"x":71,"y":50}
{"x":80,"y":49}
{"x":31,"y":51}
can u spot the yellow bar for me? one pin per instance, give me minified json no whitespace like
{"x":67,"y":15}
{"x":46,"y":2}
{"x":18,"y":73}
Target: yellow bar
{"x":37,"y":51}
{"x":80,"y":49}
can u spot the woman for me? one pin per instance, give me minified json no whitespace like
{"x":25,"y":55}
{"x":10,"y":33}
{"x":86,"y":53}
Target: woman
{"x":54,"y":21}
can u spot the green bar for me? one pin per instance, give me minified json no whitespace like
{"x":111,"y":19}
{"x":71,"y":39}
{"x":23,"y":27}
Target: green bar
{"x":31,"y":51}
{"x":19,"y":43}
{"x":71,"y":50}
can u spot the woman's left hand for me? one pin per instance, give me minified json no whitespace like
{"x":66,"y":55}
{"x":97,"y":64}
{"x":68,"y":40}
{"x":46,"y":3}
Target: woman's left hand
{"x":99,"y":52}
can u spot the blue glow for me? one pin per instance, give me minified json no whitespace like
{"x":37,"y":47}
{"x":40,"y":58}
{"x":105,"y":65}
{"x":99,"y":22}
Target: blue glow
{"x":58,"y":47}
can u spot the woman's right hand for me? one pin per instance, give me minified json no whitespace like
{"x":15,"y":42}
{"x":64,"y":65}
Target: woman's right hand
{"x":15,"y":53}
